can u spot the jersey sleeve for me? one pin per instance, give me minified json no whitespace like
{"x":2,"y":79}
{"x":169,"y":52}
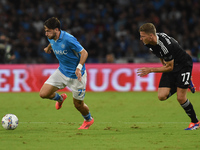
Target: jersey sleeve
{"x":168,"y":56}
{"x":74,"y":44}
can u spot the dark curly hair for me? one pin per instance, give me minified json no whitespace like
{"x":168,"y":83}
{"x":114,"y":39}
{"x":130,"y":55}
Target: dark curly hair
{"x":52,"y":23}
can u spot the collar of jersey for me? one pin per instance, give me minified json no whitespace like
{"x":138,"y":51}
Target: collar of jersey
{"x":157,"y":38}
{"x":61,"y":35}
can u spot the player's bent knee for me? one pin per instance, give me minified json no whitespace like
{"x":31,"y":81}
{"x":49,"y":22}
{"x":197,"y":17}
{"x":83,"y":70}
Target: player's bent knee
{"x":43,"y":95}
{"x":162,"y":97}
{"x":181,"y":100}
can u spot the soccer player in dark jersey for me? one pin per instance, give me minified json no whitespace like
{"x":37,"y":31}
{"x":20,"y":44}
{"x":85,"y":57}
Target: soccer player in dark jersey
{"x":176,"y":69}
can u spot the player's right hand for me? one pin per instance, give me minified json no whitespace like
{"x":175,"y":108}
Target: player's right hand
{"x":47,"y":50}
{"x":78,"y":74}
{"x":143,"y":71}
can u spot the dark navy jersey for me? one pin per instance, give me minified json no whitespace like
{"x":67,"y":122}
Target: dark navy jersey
{"x":168,"y":48}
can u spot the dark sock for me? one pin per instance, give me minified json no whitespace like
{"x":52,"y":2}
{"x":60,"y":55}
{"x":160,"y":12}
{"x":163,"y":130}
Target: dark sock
{"x":187,"y":106}
{"x":172,"y":91}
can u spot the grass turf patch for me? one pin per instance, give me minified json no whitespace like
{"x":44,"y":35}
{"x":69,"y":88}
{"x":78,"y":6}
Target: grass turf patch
{"x":122,"y":120}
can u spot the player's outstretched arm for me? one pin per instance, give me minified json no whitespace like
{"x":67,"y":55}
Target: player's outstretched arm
{"x":84,"y":55}
{"x":162,"y":61}
{"x":166,"y":68}
{"x":48,"y":49}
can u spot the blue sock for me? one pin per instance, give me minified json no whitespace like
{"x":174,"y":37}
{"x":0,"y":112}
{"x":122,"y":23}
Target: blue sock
{"x":57,"y":97}
{"x":88,"y":117}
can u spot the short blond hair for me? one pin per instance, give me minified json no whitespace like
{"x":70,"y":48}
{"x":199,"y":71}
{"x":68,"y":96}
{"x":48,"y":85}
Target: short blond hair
{"x":148,"y":28}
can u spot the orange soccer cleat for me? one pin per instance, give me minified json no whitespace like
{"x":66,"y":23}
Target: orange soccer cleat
{"x":86,"y":124}
{"x":193,"y":126}
{"x":59,"y":104}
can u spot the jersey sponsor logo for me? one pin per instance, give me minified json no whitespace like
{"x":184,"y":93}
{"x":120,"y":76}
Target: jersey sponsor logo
{"x":60,"y":52}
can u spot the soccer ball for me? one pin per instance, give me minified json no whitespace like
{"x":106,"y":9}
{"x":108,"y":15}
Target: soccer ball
{"x":9,"y":122}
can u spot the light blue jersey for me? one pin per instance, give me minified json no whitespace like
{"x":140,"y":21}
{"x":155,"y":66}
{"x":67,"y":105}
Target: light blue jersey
{"x":67,"y":49}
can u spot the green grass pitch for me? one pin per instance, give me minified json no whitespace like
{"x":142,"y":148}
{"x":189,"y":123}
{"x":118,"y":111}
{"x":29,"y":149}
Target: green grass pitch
{"x":122,"y":121}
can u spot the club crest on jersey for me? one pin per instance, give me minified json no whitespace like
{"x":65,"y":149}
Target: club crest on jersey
{"x":63,"y":46}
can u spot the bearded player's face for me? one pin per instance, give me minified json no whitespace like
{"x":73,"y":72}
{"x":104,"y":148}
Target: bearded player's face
{"x":50,"y":33}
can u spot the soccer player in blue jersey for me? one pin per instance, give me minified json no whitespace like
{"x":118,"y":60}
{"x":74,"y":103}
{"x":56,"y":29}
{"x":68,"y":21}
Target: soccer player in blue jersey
{"x":71,"y":71}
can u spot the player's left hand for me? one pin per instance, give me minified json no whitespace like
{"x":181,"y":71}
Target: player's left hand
{"x":143,"y":71}
{"x":78,"y":74}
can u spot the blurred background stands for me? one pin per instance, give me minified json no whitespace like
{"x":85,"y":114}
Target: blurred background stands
{"x":103,"y":27}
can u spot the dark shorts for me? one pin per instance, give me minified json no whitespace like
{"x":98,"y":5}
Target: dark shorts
{"x":179,"y":79}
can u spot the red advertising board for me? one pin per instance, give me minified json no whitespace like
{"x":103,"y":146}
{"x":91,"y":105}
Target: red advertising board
{"x":100,"y":77}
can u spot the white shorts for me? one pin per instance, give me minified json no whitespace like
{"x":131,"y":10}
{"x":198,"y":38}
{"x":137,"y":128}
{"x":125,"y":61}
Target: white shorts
{"x":60,"y":81}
